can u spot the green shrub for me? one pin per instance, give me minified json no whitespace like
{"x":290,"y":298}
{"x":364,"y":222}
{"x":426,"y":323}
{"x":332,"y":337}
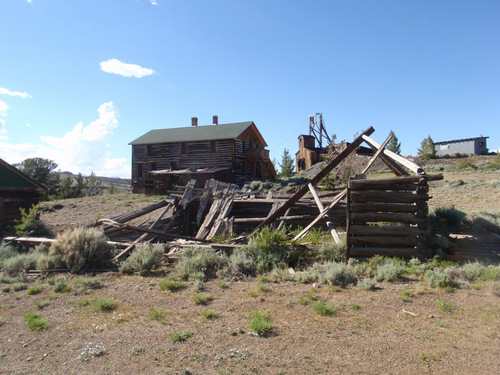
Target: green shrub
{"x":19,"y":286}
{"x":446,"y":220}
{"x":331,"y":252}
{"x":158,"y":315}
{"x":143,"y":259}
{"x":200,"y":262}
{"x":210,"y":314}
{"x":35,"y":321}
{"x":333,"y":273}
{"x":104,"y":304}
{"x":240,"y":264}
{"x":443,"y":305}
{"x":365,"y":284}
{"x":61,"y":287}
{"x":272,"y":249}
{"x":437,"y":278}
{"x":260,"y":323}
{"x":172,"y":285}
{"x":324,"y":308}
{"x":201,"y":298}
{"x":30,"y":223}
{"x":6,"y":279}
{"x":466,"y":165}
{"x":82,"y":249}
{"x":491,"y":273}
{"x":181,"y":336}
{"x":90,"y":283}
{"x":495,"y":164}
{"x":6,"y":252}
{"x":390,"y":270}
{"x":36,"y":289}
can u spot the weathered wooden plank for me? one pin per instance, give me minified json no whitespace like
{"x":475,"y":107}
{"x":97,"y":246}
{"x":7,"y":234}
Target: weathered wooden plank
{"x":357,"y":217}
{"x":384,"y":207}
{"x":321,"y":208}
{"x":382,"y":196}
{"x":387,"y":230}
{"x":381,"y":241}
{"x":392,"y":155}
{"x":382,"y":182}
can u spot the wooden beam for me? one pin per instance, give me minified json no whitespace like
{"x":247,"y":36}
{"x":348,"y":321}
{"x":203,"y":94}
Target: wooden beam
{"x":392,"y":155}
{"x":336,"y":161}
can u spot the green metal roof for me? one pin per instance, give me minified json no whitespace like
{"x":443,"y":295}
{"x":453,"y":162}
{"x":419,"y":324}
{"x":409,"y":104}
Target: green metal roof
{"x":193,"y":133}
{"x":11,"y":177}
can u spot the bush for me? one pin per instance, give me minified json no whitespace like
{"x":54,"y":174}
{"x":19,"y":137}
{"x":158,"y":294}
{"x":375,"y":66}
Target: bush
{"x":172,"y":285}
{"x":332,"y":273}
{"x":365,"y":284}
{"x":61,"y":287}
{"x":324,"y":308}
{"x":82,"y":249}
{"x":200,"y":262}
{"x":36,"y":289}
{"x":104,"y":304}
{"x":330,"y":251}
{"x":466,"y":165}
{"x":201,"y":298}
{"x":390,"y":270}
{"x":35,"y":321}
{"x":240,"y":264}
{"x":260,"y":323}
{"x":143,"y":259}
{"x":30,"y":223}
{"x":437,"y":278}
{"x":447,"y":220}
{"x":181,"y":336}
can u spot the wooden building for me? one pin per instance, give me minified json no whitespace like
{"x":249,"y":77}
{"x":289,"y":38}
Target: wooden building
{"x":17,"y":190}
{"x":233,"y":152}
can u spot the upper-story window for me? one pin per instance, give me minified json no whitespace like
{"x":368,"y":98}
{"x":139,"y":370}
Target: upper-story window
{"x":213,"y":147}
{"x":150,"y":150}
{"x":183,"y":148}
{"x":153,"y":166}
{"x":139,"y":170}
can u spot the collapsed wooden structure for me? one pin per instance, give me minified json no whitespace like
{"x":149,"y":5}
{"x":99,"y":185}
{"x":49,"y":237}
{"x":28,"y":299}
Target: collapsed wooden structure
{"x":382,"y":216}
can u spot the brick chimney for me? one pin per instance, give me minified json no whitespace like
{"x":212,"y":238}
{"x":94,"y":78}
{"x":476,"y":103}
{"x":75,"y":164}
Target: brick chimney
{"x":194,"y":121}
{"x":215,"y":120}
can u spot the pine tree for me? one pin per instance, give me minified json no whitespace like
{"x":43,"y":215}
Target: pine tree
{"x":286,"y":165}
{"x":394,"y":145}
{"x":427,"y":149}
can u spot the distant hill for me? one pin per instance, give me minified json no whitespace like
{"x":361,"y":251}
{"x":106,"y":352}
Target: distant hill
{"x":122,"y":185}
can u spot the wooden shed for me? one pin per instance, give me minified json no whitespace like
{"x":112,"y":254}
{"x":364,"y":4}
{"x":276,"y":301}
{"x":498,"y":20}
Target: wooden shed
{"x":234,"y":152}
{"x":17,"y":190}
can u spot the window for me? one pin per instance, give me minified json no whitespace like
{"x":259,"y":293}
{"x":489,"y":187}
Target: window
{"x":153,"y":166}
{"x":213,"y":149}
{"x":183,"y":148}
{"x":139,"y":170}
{"x":150,"y":150}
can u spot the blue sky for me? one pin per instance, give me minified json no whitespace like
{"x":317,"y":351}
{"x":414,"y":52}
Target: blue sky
{"x":81,"y":79}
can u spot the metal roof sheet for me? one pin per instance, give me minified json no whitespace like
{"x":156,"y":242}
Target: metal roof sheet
{"x":193,"y":133}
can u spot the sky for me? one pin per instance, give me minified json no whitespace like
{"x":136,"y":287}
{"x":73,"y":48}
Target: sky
{"x":81,"y":79}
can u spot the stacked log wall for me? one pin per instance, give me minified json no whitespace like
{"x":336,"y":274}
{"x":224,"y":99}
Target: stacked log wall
{"x":388,"y":217}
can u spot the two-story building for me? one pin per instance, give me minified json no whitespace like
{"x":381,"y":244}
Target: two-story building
{"x":234,"y":152}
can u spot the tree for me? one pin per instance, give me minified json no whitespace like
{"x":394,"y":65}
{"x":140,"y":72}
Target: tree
{"x":42,"y":171}
{"x":394,"y":145}
{"x":427,"y":149}
{"x":286,"y":165}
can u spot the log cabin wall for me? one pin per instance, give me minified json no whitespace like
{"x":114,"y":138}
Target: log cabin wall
{"x":11,"y":200}
{"x":388,"y":217}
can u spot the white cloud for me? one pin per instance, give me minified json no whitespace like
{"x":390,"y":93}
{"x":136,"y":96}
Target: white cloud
{"x":154,"y":2}
{"x":83,"y":149}
{"x":3,"y":108}
{"x":3,"y":130}
{"x":5,"y":91}
{"x":127,"y":70}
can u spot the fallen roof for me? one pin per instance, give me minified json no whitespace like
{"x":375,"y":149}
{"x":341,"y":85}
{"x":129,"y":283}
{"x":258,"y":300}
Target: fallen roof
{"x":193,"y":133}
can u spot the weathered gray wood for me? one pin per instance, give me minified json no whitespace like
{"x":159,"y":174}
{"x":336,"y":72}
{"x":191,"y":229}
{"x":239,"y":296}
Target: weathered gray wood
{"x":210,"y":187}
{"x":143,"y":211}
{"x":398,"y":158}
{"x":48,"y":241}
{"x":363,"y":217}
{"x":387,"y":230}
{"x":243,"y":220}
{"x":321,"y":208}
{"x":382,"y":196}
{"x":384,"y":207}
{"x":336,"y":161}
{"x":394,"y":181}
{"x":336,"y":200}
{"x":380,"y":241}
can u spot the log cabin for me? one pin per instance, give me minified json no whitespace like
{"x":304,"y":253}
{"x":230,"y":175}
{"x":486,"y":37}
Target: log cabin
{"x":234,"y":152}
{"x":17,"y":190}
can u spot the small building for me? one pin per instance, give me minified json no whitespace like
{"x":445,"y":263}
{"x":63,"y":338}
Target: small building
{"x":234,"y":152}
{"x":475,"y":146}
{"x":17,"y":190}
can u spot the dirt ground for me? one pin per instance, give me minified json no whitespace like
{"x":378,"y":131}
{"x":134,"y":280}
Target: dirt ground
{"x":371,"y":332}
